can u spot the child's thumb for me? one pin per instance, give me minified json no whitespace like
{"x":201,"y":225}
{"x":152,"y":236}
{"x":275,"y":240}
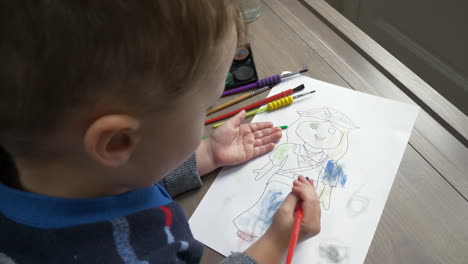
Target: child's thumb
{"x":289,"y":204}
{"x":237,"y":119}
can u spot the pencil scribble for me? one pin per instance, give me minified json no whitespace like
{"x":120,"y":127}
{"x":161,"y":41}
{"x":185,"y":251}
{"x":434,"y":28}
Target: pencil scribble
{"x":333,"y":252}
{"x":357,"y":203}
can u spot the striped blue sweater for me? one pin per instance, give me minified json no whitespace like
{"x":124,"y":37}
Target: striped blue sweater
{"x":140,"y":227}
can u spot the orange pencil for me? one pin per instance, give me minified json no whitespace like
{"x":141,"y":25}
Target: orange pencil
{"x":295,"y":232}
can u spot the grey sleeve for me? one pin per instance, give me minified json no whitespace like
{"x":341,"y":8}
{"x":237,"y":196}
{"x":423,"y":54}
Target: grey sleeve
{"x":238,"y":258}
{"x":184,"y":178}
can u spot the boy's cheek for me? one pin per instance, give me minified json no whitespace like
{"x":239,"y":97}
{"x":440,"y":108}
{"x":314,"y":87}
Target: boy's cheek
{"x":191,"y":134}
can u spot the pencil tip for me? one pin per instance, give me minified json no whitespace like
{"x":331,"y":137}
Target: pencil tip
{"x":304,"y":70}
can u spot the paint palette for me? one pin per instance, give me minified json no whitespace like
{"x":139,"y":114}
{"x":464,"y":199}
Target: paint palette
{"x":242,"y":71}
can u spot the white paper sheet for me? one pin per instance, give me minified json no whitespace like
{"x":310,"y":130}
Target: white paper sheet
{"x":349,"y":142}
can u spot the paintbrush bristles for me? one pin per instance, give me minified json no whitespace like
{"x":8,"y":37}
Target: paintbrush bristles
{"x":298,"y":88}
{"x":303,"y":94}
{"x":289,"y":74}
{"x":259,"y":90}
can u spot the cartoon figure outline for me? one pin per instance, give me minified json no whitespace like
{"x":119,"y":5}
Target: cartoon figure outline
{"x":316,"y":141}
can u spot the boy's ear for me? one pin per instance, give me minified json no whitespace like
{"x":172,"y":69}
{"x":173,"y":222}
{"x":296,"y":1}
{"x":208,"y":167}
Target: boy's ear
{"x":111,"y":139}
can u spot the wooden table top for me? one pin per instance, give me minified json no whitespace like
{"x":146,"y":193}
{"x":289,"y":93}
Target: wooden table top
{"x":425,"y":219}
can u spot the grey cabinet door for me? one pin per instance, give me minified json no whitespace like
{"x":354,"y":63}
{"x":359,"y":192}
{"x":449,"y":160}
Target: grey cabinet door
{"x":428,"y":36}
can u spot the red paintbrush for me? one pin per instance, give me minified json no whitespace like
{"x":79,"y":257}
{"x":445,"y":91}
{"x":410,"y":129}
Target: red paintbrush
{"x":295,"y":232}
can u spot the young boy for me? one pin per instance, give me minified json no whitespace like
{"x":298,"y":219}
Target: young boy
{"x":101,"y":109}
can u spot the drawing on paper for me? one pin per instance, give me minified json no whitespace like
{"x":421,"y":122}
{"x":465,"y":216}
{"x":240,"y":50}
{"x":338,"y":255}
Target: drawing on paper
{"x":333,"y":252}
{"x":357,"y":203}
{"x":315,"y":143}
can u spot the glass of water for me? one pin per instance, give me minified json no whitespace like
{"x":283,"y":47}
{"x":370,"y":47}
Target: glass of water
{"x":250,"y":9}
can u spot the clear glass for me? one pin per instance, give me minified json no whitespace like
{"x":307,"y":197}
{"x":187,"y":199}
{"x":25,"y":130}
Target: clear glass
{"x":250,"y":9}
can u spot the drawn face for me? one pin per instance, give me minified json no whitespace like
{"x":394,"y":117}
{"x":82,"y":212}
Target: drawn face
{"x":321,"y":135}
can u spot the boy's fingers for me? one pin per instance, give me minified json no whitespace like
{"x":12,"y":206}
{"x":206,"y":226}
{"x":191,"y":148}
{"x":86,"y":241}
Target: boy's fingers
{"x":263,"y":149}
{"x":312,"y":183}
{"x":265,"y":132}
{"x":310,"y":201}
{"x":290,"y":202}
{"x":299,"y":181}
{"x":268,"y":139}
{"x":298,"y":189}
{"x":296,"y":183}
{"x":311,"y":210}
{"x":304,"y":190}
{"x":304,"y":180}
{"x":237,"y":119}
{"x":260,"y":125}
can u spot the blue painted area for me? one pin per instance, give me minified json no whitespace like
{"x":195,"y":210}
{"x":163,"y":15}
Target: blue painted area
{"x":269,"y":204}
{"x":329,"y":169}
{"x":334,"y":174}
{"x":344,"y":179}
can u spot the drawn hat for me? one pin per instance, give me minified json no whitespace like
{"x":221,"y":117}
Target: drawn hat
{"x":329,"y":115}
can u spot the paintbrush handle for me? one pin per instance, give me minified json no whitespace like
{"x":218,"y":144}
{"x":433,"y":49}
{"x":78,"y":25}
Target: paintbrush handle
{"x":251,"y":106}
{"x":251,"y":113}
{"x":238,"y":99}
{"x":295,"y":232}
{"x":240,"y":89}
{"x":260,"y":83}
{"x":227,"y":104}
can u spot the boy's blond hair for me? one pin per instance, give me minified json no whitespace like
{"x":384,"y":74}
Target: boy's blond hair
{"x":59,"y":57}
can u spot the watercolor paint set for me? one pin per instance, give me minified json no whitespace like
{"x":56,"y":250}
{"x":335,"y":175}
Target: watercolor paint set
{"x":242,"y":71}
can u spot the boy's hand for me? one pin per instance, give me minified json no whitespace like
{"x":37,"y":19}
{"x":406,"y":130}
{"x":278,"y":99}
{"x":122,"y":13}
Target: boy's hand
{"x":234,"y":143}
{"x":302,"y":190}
{"x":272,"y":246}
